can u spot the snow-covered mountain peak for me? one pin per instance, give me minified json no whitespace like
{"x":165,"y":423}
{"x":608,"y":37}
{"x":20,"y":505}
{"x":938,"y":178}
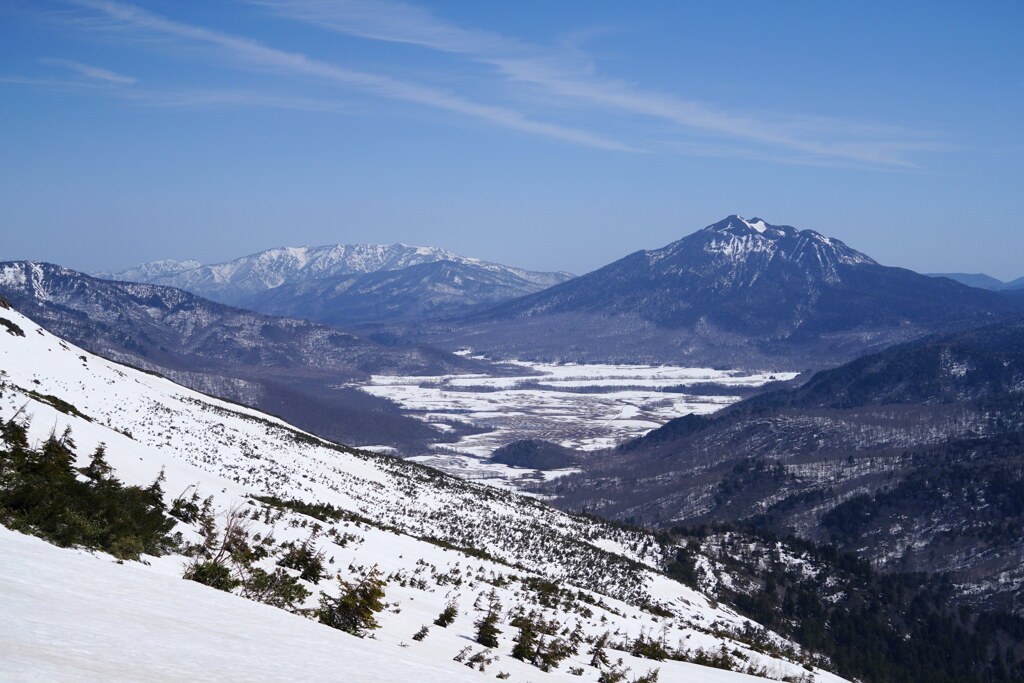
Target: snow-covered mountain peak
{"x":737,"y":238}
{"x":738,"y":226}
{"x":756,"y":224}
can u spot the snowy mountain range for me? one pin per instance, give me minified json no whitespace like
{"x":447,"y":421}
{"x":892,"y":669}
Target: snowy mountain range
{"x":240,"y":281}
{"x":740,"y":292}
{"x":433,"y":289}
{"x":438,"y":541}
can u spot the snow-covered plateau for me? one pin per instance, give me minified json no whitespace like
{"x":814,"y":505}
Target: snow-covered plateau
{"x":438,"y":540}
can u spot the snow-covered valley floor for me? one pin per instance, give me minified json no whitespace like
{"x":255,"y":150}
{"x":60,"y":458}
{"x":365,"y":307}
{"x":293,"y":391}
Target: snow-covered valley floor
{"x":586,"y":407}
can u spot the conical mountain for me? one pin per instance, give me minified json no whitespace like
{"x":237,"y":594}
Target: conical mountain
{"x":736,"y":292}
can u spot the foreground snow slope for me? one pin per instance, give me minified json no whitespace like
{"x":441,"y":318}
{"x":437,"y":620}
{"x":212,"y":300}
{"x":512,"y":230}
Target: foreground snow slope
{"x":66,"y":612}
{"x":69,"y":615}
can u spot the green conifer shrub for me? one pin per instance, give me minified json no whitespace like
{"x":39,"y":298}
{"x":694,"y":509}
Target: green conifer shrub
{"x":354,"y":608}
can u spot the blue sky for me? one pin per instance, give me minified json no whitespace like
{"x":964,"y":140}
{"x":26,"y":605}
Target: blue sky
{"x":547,"y":135}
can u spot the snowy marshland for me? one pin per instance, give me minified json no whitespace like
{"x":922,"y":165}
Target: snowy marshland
{"x":581,"y":406}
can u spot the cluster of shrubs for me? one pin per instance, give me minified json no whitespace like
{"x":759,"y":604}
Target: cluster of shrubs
{"x":43,"y":493}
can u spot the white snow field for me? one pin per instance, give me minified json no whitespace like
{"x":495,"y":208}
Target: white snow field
{"x":583,"y":406}
{"x":72,"y":616}
{"x":69,"y":615}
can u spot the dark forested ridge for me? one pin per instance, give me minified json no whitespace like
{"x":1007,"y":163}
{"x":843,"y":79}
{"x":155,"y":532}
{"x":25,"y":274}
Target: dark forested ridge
{"x":912,"y":457}
{"x":880,"y":627}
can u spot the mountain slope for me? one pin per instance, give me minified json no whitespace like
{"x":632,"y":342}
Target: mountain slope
{"x":239,"y":280}
{"x":910,"y":456}
{"x":435,"y":288}
{"x":737,"y":291}
{"x":436,"y":539}
{"x":286,"y":367}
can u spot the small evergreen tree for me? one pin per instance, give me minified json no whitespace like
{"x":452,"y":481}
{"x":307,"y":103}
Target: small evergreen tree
{"x":278,"y":589}
{"x":649,"y":677}
{"x":487,"y":626}
{"x":487,"y":630}
{"x":598,"y":657}
{"x":186,"y":509}
{"x":98,"y":469}
{"x":354,"y":609}
{"x":525,"y":648}
{"x":447,"y":615}
{"x":649,"y":648}
{"x":615,"y":674}
{"x":551,"y":653}
{"x":212,"y":573}
{"x":305,"y":560}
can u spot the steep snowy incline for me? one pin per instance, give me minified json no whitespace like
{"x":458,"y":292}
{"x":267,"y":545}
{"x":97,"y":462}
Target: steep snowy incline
{"x":409,"y":521}
{"x":264,"y":454}
{"x":418,"y":525}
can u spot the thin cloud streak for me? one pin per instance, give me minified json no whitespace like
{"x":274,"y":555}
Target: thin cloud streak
{"x":257,"y":55}
{"x":569,"y":75}
{"x":89,"y":71}
{"x":184,"y":98}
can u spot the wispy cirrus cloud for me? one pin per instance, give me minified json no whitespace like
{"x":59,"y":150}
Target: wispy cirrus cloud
{"x":178,"y":97}
{"x":94,"y":73}
{"x":100,"y":80}
{"x":254,"y":54}
{"x":569,"y":75}
{"x":559,"y":83}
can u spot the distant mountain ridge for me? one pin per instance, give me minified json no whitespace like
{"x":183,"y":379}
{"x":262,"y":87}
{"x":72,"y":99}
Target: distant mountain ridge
{"x":151,"y":270}
{"x":983,"y":281}
{"x":427,"y":289}
{"x":234,"y":282}
{"x":736,"y":292}
{"x":287,"y":367}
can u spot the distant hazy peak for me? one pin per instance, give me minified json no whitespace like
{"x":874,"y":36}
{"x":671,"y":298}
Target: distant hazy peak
{"x":982,"y":281}
{"x":149,"y":270}
{"x":235,"y":280}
